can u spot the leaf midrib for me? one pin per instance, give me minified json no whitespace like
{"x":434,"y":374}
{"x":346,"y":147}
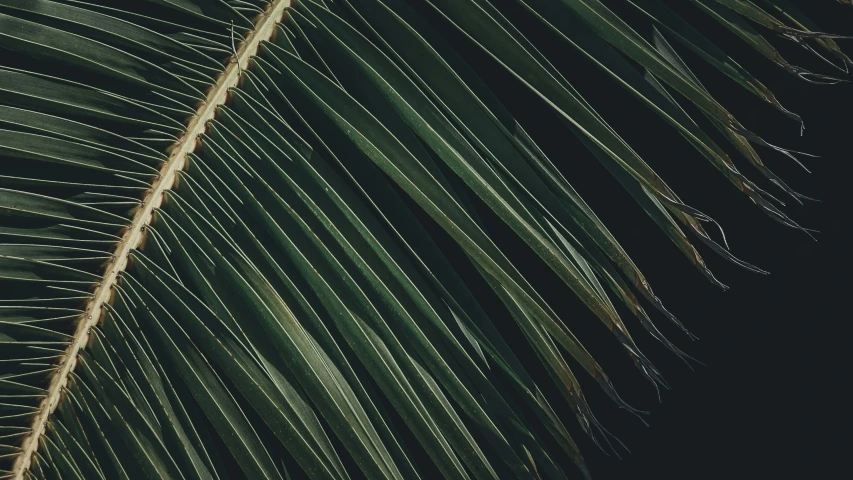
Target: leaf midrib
{"x":264,"y":29}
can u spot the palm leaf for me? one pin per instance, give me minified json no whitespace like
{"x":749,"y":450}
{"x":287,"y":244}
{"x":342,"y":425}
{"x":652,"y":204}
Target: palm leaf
{"x":244,"y":238}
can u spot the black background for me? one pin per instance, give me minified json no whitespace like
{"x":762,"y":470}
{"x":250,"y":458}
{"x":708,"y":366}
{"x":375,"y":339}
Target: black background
{"x":770,"y":402}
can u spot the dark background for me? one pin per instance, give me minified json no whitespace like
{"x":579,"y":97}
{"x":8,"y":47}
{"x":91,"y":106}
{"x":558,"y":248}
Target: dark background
{"x":770,"y":402}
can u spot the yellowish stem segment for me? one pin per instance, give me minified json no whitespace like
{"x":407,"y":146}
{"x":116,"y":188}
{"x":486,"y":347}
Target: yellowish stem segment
{"x":133,"y":236}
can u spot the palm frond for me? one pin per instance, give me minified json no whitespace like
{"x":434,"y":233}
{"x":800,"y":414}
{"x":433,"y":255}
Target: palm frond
{"x":227,"y":224}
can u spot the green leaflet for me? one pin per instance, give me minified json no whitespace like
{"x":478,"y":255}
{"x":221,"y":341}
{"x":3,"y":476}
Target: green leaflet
{"x":803,"y":22}
{"x":667,"y":19}
{"x":740,"y":27}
